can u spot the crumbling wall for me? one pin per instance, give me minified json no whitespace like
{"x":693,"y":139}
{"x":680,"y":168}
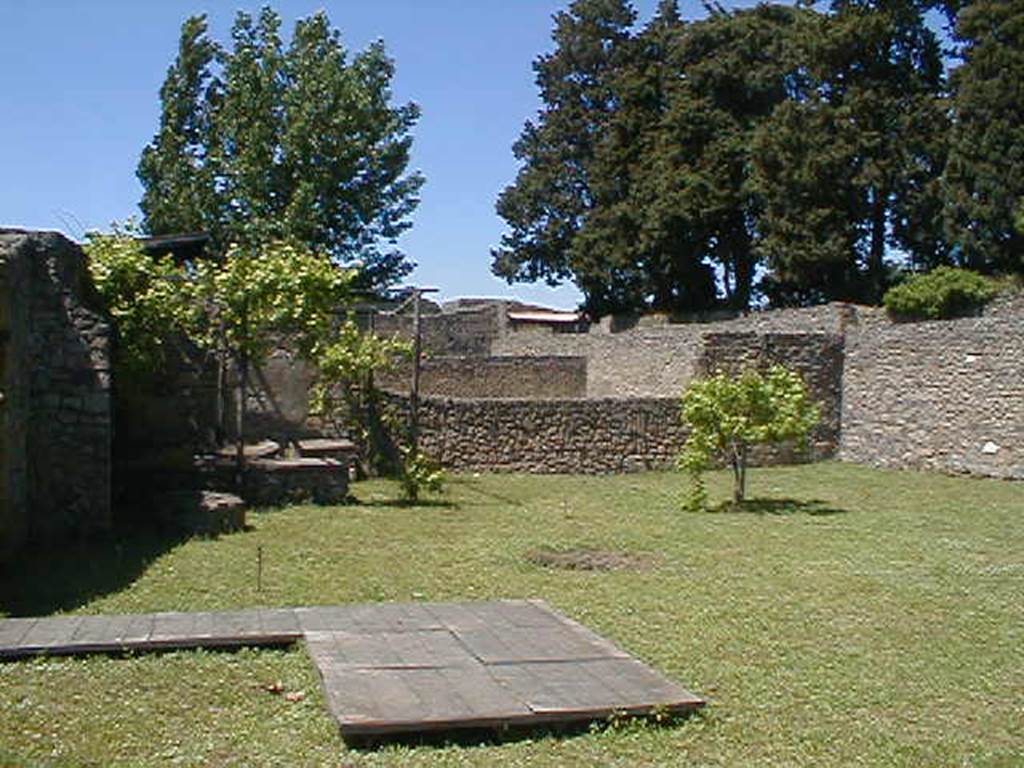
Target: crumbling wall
{"x":56,"y":384}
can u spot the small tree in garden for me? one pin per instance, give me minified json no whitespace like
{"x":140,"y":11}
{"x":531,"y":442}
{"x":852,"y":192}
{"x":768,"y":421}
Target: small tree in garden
{"x":726,"y":415}
{"x":346,"y":389}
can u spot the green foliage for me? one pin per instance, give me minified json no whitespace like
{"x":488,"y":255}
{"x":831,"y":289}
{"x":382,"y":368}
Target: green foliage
{"x":849,"y":166}
{"x":345,"y":393}
{"x":726,"y":415}
{"x":242,"y":303}
{"x":670,"y":164}
{"x":254,"y":299}
{"x":419,"y":474}
{"x":942,"y":293}
{"x":261,"y":142}
{"x":147,"y":298}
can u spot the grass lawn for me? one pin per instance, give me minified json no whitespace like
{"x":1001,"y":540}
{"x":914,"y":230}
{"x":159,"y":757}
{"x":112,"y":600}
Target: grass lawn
{"x":861,"y":617}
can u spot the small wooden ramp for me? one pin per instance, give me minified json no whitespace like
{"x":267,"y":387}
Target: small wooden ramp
{"x":403,"y":668}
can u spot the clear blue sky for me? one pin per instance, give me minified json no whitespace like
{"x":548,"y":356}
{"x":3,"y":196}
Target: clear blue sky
{"x":79,"y":82}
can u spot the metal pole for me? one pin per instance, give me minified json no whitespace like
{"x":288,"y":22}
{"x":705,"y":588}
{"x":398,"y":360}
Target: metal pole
{"x":414,"y":395}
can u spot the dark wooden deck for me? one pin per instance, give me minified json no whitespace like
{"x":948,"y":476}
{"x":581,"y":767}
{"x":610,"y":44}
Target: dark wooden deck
{"x":402,"y":668}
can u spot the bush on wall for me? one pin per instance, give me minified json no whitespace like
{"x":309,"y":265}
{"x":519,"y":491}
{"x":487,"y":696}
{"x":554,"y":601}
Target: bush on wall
{"x":942,"y":293}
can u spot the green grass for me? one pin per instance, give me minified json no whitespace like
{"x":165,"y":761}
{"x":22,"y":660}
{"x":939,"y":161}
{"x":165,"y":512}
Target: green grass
{"x":860,"y":617}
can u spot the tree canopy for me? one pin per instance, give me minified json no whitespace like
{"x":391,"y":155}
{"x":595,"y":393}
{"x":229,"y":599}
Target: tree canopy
{"x":777,"y":153}
{"x":262,"y":142}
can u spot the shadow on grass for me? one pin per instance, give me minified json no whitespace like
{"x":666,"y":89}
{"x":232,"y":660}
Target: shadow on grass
{"x":814,"y":507}
{"x":492,"y":737}
{"x":44,"y":580}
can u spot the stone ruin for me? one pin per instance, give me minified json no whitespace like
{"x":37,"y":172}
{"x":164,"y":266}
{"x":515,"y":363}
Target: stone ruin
{"x":55,"y":384}
{"x":503,"y":388}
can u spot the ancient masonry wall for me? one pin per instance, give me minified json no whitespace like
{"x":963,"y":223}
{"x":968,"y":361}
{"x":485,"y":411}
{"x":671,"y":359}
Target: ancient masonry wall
{"x":599,"y":435}
{"x":648,"y":358}
{"x":945,"y":395}
{"x":56,"y":409}
{"x":495,"y":377}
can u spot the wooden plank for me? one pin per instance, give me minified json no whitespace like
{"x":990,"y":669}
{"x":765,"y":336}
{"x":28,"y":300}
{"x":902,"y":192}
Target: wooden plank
{"x":519,"y":644}
{"x":96,"y":634}
{"x":397,"y":668}
{"x":236,"y":627}
{"x":12,"y":631}
{"x":496,"y":615}
{"x":172,"y":630}
{"x":135,"y":631}
{"x":593,"y":688}
{"x":325,"y":619}
{"x":280,"y":622}
{"x":393,"y":617}
{"x":50,"y":635}
{"x":429,"y":648}
{"x":387,"y":701}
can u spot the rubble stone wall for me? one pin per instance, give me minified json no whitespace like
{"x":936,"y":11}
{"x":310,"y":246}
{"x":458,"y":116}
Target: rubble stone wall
{"x":56,"y":385}
{"x":945,"y":395}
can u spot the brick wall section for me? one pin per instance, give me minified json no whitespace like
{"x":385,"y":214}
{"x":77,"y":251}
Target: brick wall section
{"x":945,"y":395}
{"x":59,"y":335}
{"x":495,"y":377}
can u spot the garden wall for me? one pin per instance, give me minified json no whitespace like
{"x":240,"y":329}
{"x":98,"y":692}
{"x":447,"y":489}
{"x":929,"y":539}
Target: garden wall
{"x":495,"y":377}
{"x":569,"y":436}
{"x":945,"y":395}
{"x":651,"y":357}
{"x":55,"y":414}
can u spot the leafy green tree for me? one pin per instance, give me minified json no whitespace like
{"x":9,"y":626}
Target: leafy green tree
{"x":848,"y":167}
{"x":984,"y":177}
{"x":145,"y":297}
{"x":726,"y":415}
{"x":262,"y":142}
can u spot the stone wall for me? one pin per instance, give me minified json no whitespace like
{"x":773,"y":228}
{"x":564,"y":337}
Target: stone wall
{"x":495,"y":377}
{"x":818,"y":358}
{"x":56,"y":385}
{"x":568,"y":436}
{"x":946,"y":395}
{"x":651,"y":357}
{"x":549,"y":436}
{"x":468,"y":331}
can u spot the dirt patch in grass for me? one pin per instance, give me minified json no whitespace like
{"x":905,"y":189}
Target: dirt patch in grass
{"x":588,"y":560}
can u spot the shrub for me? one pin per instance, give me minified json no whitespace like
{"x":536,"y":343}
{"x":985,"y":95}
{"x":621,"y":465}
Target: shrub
{"x":728,"y":414}
{"x":942,"y":293}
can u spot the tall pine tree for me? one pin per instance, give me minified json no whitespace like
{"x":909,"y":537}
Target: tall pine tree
{"x":547,"y":205}
{"x":848,"y":167}
{"x":984,"y":177}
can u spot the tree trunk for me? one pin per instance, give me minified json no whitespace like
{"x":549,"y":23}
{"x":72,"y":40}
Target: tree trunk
{"x":876,"y":263}
{"x":739,"y":474}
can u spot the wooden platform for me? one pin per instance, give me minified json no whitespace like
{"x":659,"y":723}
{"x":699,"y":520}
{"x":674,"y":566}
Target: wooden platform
{"x":402,"y":668}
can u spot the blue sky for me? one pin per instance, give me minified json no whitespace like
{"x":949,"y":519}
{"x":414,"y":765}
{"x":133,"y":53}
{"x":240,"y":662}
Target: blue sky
{"x":79,"y":81}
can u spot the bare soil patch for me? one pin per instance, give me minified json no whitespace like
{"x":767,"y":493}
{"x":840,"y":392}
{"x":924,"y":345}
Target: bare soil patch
{"x":586,"y":559}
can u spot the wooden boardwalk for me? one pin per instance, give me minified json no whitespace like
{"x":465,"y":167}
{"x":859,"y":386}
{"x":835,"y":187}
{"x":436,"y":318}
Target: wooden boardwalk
{"x":396,"y":668}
